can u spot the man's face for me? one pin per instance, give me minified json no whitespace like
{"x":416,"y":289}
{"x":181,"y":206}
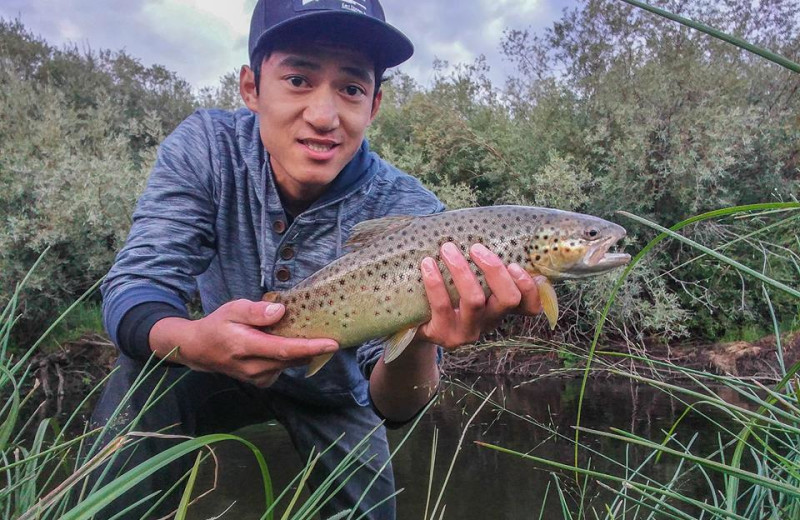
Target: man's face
{"x":315,"y":103}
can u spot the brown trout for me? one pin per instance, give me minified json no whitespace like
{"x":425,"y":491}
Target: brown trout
{"x":375,"y":290}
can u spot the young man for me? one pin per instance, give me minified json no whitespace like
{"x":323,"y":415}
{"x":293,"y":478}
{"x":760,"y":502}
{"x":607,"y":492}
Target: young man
{"x":241,"y":203}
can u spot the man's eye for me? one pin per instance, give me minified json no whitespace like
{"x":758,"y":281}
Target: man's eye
{"x":296,"y":81}
{"x":352,"y":90}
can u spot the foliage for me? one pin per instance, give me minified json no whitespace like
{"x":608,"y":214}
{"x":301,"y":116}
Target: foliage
{"x":78,"y":132}
{"x":612,"y":108}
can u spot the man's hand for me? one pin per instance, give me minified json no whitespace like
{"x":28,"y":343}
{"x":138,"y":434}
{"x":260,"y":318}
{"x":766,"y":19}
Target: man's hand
{"x":228,"y":341}
{"x":513,"y":291}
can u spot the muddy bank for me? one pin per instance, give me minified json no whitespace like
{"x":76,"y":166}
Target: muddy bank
{"x":528,"y":357}
{"x":76,"y":368}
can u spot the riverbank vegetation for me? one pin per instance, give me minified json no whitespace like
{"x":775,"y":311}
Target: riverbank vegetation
{"x":611,"y":109}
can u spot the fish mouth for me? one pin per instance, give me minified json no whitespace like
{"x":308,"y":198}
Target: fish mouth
{"x":599,"y":258}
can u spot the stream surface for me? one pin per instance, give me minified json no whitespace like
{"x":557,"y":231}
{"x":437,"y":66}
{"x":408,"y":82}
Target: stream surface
{"x":484,"y":484}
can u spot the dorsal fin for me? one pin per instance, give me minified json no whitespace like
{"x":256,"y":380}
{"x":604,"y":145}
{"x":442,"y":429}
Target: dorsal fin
{"x":368,"y":231}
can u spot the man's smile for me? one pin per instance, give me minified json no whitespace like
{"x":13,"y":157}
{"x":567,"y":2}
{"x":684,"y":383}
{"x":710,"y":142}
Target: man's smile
{"x":319,"y":146}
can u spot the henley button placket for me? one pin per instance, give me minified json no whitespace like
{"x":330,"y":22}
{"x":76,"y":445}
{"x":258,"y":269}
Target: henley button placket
{"x":287,"y":253}
{"x":279,"y":226}
{"x":283,"y":274}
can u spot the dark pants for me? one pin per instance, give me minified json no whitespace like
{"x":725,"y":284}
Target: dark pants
{"x":202,"y":403}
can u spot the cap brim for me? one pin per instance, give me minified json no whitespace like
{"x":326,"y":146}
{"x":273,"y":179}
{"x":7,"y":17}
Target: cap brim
{"x":387,"y":45}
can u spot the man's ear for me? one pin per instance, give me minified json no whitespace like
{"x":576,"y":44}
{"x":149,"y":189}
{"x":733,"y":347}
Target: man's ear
{"x":376,"y":105}
{"x":247,"y":87}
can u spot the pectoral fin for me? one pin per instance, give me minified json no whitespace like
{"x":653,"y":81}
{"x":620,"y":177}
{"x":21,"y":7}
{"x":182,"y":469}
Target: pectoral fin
{"x":397,"y":343}
{"x":317,"y":363}
{"x":547,"y":295}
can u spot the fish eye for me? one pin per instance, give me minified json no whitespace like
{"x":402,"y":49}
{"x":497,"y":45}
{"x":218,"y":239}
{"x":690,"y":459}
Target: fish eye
{"x":591,"y":233}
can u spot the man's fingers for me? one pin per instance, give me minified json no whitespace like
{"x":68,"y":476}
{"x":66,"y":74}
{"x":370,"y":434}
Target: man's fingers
{"x":257,"y":344}
{"x":529,"y":289}
{"x":505,"y":295}
{"x":438,"y":297}
{"x":257,"y":314}
{"x":472,"y":299}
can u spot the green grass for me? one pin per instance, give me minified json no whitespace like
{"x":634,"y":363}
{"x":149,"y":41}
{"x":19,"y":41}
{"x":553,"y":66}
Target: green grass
{"x":84,"y":318}
{"x":749,"y":333}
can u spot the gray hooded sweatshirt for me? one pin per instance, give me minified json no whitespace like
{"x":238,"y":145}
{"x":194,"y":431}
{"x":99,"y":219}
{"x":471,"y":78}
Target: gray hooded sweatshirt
{"x":210,"y":221}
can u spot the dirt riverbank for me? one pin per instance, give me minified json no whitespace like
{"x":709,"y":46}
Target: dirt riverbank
{"x":77,"y":367}
{"x":526,"y":357}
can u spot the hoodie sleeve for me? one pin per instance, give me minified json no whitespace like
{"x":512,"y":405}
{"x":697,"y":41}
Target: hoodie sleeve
{"x":172,"y":234}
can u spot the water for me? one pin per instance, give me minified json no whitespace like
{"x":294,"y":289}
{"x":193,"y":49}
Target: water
{"x":484,"y":484}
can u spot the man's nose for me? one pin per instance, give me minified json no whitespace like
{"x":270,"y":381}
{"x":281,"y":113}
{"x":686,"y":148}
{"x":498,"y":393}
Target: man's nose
{"x":322,"y":112}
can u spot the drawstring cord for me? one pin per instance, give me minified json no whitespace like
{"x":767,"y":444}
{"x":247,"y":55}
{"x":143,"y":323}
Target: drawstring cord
{"x":268,"y":174}
{"x":339,"y":229}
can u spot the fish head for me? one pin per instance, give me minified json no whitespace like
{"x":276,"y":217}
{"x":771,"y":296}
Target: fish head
{"x":568,"y":245}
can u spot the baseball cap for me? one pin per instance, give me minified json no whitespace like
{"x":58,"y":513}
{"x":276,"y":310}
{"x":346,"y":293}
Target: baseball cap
{"x":360,"y":21}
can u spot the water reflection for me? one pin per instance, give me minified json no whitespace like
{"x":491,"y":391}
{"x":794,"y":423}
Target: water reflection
{"x":486,"y":484}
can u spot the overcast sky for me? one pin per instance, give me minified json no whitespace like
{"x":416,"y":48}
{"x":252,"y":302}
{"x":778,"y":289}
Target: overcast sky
{"x":204,"y":39}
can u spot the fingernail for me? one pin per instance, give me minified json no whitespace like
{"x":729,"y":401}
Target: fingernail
{"x":272,"y":309}
{"x":540,"y":279}
{"x":429,"y":265}
{"x":516,"y":271}
{"x":480,"y":251}
{"x":330,"y":347}
{"x":450,"y":250}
